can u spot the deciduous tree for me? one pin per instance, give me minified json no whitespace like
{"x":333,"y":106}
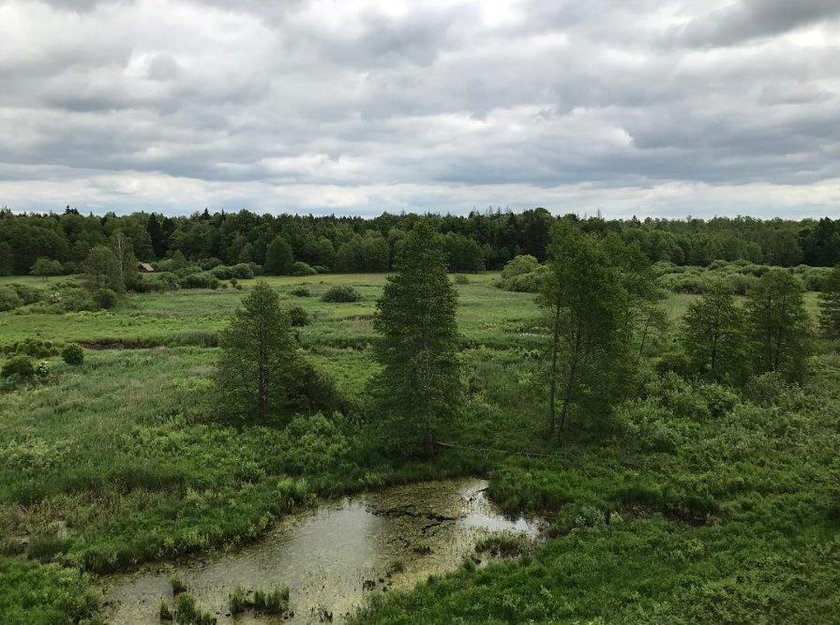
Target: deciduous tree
{"x":778,"y":325}
{"x":587,"y":307}
{"x":713,"y":335}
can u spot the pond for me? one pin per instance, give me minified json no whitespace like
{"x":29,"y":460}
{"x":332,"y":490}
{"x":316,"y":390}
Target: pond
{"x":331,"y":556}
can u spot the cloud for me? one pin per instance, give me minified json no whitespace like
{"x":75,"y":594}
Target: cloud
{"x":682,"y":106}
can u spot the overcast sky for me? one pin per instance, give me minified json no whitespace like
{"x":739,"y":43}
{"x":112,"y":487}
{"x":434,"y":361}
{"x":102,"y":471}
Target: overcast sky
{"x":646,"y":107}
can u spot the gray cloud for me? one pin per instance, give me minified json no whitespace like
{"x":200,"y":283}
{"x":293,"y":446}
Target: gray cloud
{"x":630,"y":106}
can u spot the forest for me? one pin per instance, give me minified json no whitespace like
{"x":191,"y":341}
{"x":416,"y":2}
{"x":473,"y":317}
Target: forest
{"x":659,"y":398}
{"x":470,"y":243}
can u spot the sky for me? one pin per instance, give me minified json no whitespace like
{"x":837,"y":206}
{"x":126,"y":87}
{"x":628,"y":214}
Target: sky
{"x":628,"y":107}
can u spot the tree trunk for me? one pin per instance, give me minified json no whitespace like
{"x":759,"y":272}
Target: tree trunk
{"x":555,"y":339}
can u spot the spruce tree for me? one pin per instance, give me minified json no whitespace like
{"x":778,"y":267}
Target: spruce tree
{"x":778,"y":325}
{"x":419,"y":385}
{"x":830,"y":306}
{"x":259,"y":364}
{"x":713,"y":335}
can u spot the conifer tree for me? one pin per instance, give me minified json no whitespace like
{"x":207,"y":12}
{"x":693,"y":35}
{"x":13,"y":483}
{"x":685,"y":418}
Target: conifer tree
{"x":259,"y":364}
{"x":419,"y":386}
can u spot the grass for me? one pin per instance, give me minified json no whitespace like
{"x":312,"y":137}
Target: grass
{"x":678,"y":513}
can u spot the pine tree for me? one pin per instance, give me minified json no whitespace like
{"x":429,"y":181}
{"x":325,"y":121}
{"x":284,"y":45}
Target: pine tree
{"x":830,"y":305}
{"x":257,"y":371}
{"x":587,"y":308}
{"x":713,"y":335}
{"x":420,"y":384}
{"x":778,"y":325}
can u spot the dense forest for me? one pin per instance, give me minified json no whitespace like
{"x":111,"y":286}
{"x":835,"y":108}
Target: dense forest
{"x":353,"y":244}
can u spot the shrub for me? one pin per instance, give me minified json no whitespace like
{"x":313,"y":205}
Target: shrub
{"x":27,"y":294}
{"x":73,"y":354}
{"x":300,"y":268}
{"x":200,"y":280}
{"x":209,"y":263}
{"x":19,"y":366}
{"x":300,"y":291}
{"x":341,"y":293}
{"x":37,"y":348}
{"x":106,"y":298}
{"x":239,"y":271}
{"x":9,"y":298}
{"x":519,"y":265}
{"x":298,"y":316}
{"x":164,"y":614}
{"x":461,"y":279}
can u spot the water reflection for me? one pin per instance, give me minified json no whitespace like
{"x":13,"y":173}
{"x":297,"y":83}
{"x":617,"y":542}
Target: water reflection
{"x":332,"y":556}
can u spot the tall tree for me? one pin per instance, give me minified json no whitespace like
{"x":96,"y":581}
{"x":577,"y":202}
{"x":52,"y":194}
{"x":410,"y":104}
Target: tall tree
{"x":259,"y":362}
{"x":418,"y":347}
{"x":713,"y":335}
{"x":102,"y":270}
{"x":124,"y":253}
{"x":830,"y":305}
{"x":278,"y":257}
{"x":778,"y":325}
{"x":587,"y":308}
{"x":46,"y":267}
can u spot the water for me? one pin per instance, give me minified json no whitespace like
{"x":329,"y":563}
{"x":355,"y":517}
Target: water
{"x":333,"y":556}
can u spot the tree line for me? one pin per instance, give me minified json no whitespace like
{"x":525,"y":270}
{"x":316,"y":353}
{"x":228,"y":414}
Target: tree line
{"x":480,"y":240}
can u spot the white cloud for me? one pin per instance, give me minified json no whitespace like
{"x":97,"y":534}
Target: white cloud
{"x":630,"y":106}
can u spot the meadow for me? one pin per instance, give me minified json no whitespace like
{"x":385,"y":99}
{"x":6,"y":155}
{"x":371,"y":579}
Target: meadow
{"x":695,"y":504}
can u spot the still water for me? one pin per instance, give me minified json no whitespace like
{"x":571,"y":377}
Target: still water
{"x":332,"y":556}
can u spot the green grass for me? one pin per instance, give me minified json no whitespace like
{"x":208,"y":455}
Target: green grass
{"x":713,"y":517}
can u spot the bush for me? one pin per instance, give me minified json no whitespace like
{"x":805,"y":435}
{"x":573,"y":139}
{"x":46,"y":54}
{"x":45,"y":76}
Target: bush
{"x":28,"y":294}
{"x":9,"y":299}
{"x":37,"y":348}
{"x":73,"y":354}
{"x":105,"y":298}
{"x":300,"y":268}
{"x":239,"y":271}
{"x":200,"y":280}
{"x":341,"y":293}
{"x":461,"y":279}
{"x":20,"y":367}
{"x":300,"y":291}
{"x":520,"y":265}
{"x":298,"y":316}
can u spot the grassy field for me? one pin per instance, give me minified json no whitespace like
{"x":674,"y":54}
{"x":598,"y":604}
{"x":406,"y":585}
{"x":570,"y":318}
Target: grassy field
{"x":698,"y":504}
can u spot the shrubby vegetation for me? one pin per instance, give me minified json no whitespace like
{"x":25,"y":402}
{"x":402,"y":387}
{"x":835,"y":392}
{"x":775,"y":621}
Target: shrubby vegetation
{"x":692,"y":478}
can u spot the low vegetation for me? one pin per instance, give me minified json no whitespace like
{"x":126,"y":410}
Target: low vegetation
{"x":681,"y":446}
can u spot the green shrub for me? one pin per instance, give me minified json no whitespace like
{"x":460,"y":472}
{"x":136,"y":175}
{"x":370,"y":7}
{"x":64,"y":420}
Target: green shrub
{"x":240,"y":271}
{"x":28,"y":294}
{"x":341,"y":293}
{"x":19,"y":367}
{"x":9,"y":299}
{"x":200,"y":280}
{"x":37,"y":348}
{"x":164,"y":613}
{"x":300,"y":291}
{"x":300,"y":268}
{"x":298,"y":316}
{"x":461,"y":279}
{"x":73,"y":354}
{"x":106,"y":298}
